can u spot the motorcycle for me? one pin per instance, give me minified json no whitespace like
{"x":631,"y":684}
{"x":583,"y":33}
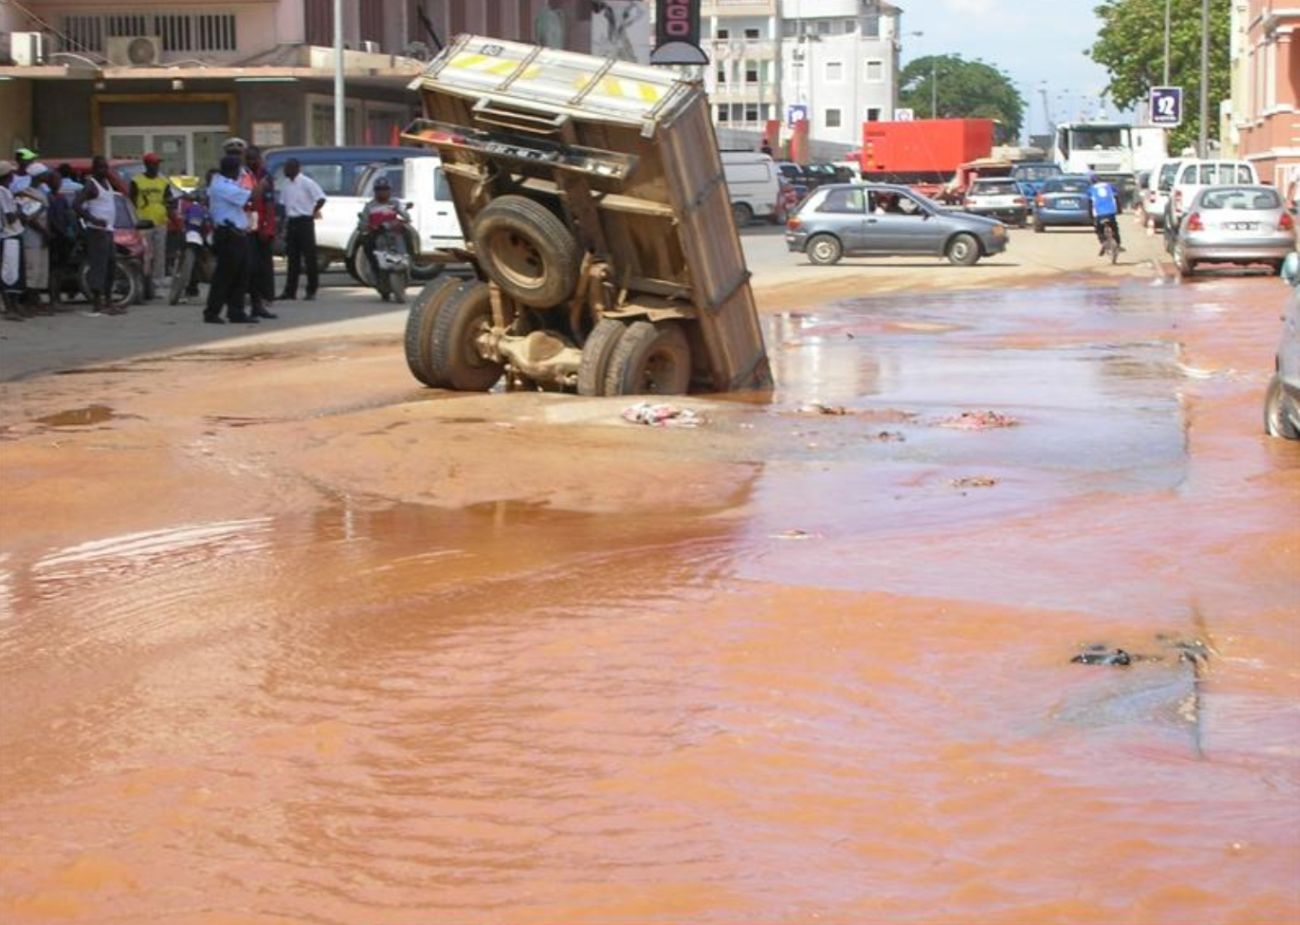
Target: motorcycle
{"x":198,"y":260}
{"x":389,"y":239}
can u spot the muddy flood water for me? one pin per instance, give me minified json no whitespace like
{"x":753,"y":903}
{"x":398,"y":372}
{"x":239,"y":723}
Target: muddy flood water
{"x":286,"y":639}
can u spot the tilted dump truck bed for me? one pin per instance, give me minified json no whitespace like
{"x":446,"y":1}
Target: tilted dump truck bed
{"x":629,"y":154}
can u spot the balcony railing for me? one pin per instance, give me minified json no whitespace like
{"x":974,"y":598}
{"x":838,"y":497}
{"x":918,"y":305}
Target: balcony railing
{"x":738,"y":8}
{"x":743,"y":49}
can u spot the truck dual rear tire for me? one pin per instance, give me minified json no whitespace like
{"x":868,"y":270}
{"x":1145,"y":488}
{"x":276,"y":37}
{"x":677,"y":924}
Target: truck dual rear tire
{"x":650,"y":359}
{"x":527,"y":251}
{"x":419,"y":329}
{"x":454,"y":358}
{"x":596,"y":354}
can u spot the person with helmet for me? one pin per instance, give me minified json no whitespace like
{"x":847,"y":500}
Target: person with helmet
{"x":379,"y":211}
{"x":1105,"y":211}
{"x":151,"y":194}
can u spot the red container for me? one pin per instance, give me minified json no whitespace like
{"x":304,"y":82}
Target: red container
{"x":916,"y":151}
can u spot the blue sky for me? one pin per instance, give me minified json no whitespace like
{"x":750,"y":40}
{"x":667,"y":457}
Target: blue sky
{"x":1032,"y":40}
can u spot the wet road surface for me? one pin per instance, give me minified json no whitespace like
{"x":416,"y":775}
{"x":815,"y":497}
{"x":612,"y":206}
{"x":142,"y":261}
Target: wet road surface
{"x":286,"y":639}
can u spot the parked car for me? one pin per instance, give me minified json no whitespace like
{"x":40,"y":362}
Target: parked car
{"x":1192,"y":177}
{"x":754,"y":185}
{"x":338,"y":171}
{"x":797,"y":177}
{"x":1063,"y":201}
{"x":1282,"y":397}
{"x":1155,"y":194}
{"x":1234,"y":224}
{"x":998,"y":198}
{"x":1031,"y":176}
{"x":887,"y":220}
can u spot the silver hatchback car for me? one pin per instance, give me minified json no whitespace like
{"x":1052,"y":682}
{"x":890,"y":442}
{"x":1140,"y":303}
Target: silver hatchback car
{"x":1282,"y":399}
{"x":1234,"y":224}
{"x":884,"y":220}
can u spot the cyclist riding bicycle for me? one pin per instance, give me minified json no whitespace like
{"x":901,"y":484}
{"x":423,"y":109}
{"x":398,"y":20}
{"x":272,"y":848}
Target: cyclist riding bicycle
{"x":1105,"y":211}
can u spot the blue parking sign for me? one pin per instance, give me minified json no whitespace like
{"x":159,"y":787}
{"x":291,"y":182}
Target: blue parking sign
{"x":1167,"y":106}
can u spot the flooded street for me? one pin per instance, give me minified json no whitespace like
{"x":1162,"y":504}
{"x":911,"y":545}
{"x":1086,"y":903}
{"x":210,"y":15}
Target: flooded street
{"x":287,"y":639}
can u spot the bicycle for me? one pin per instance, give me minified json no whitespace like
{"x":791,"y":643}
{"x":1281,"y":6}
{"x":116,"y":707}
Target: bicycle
{"x":1109,"y":242}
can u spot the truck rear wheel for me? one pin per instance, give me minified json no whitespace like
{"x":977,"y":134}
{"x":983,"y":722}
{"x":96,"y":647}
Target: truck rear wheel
{"x":596,"y":353}
{"x":527,"y":251}
{"x":454,"y":358}
{"x":650,"y":359}
{"x":419,"y":328}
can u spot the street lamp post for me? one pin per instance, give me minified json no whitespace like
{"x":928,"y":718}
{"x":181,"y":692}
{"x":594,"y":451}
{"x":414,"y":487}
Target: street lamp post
{"x":340,"y":110}
{"x":1204,"y":140}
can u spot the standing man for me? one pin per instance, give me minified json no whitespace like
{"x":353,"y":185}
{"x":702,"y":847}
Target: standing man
{"x":34,"y":204}
{"x":151,"y":193}
{"x":22,"y":180}
{"x":227,"y":201}
{"x":261,"y":272}
{"x":97,"y":209}
{"x":11,"y":246}
{"x":303,"y":199}
{"x":63,"y":233}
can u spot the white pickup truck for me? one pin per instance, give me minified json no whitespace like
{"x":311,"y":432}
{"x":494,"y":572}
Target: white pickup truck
{"x":420,"y":183}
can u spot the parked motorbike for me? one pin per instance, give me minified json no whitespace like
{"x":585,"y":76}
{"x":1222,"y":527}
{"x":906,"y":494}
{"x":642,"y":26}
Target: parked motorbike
{"x":383,"y":234}
{"x":198,"y":260}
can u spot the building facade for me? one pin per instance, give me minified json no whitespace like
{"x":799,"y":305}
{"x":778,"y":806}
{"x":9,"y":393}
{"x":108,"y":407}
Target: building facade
{"x":121,"y":77}
{"x":1265,"y":124}
{"x":831,"y":63}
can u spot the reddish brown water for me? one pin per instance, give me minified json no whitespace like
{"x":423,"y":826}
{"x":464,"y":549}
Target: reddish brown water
{"x":290,"y":661}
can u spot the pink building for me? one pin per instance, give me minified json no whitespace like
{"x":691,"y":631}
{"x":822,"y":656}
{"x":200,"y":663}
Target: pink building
{"x":1266,"y":102}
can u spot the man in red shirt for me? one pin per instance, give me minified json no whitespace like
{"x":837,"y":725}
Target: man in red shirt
{"x":261,"y":277}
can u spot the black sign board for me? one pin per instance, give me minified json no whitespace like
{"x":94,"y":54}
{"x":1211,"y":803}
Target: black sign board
{"x":677,"y":33}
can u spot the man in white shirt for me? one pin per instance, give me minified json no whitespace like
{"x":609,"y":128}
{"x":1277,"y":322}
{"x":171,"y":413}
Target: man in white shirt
{"x":302,"y":199}
{"x":11,"y":246}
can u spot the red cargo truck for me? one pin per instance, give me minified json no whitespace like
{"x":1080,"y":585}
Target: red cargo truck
{"x":924,"y":154}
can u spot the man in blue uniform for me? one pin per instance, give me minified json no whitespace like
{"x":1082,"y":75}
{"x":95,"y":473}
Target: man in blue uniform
{"x":1105,"y":210}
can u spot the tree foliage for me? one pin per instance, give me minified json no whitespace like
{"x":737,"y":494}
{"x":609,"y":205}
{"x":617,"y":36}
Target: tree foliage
{"x":966,"y":89}
{"x":1130,"y":46}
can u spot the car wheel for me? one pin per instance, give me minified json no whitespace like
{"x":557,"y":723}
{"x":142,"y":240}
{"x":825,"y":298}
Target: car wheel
{"x":419,"y":328}
{"x":454,"y":357}
{"x":824,"y":250}
{"x":741,"y":214}
{"x":1276,"y":422}
{"x":1184,"y":266}
{"x":527,"y":251}
{"x":963,"y":251}
{"x":650,"y":359}
{"x":323,"y":261}
{"x":596,"y":354}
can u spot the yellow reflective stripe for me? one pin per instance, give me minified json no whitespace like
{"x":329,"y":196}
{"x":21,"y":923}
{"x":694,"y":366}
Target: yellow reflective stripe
{"x":467,"y":60}
{"x":502,"y":68}
{"x":649,"y":92}
{"x":611,"y":87}
{"x":532,"y":71}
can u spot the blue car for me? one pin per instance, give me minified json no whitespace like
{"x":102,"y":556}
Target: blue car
{"x":1062,"y":201}
{"x":1031,"y":177}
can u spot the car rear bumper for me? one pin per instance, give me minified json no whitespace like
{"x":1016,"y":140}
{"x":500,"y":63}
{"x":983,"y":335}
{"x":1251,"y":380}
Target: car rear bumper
{"x":1063,"y":217}
{"x":1016,"y":214}
{"x":1246,"y":251}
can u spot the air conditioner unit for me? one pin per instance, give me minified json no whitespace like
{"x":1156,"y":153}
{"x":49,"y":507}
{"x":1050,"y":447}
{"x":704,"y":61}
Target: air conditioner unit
{"x":27,"y":48}
{"x":133,"y":50}
{"x":370,"y":47}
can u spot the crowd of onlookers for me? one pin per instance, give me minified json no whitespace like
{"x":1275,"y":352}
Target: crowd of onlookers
{"x":57,"y":233}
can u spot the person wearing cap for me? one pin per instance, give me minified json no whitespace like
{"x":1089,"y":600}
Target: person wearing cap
{"x":34,"y":204}
{"x":11,"y":246}
{"x":98,"y":211}
{"x":151,"y":193}
{"x":227,"y":202}
{"x":22,"y":179}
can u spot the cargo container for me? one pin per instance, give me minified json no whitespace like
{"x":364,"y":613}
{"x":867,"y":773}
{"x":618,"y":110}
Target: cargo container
{"x":599,"y":225}
{"x":926,"y":152}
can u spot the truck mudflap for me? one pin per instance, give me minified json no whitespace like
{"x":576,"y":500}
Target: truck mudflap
{"x":627,"y":158}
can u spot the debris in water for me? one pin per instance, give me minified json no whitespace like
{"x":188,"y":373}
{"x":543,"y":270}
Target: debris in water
{"x":662,"y":415}
{"x":890,"y":436}
{"x":817,"y":407}
{"x":978,"y":420}
{"x":792,"y":534}
{"x":1100,"y":655}
{"x":974,"y":481}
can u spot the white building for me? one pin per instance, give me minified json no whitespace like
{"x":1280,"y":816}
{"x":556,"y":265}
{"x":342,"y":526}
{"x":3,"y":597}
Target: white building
{"x":832,"y":62}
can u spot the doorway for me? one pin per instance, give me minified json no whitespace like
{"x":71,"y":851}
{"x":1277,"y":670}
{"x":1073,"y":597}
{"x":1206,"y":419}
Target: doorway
{"x":185,"y":150}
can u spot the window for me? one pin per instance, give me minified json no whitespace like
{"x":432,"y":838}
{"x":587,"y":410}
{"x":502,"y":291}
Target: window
{"x":1207,"y":174}
{"x":724,"y":113}
{"x":823,"y":26}
{"x":1244,"y":175}
{"x":751,"y":112}
{"x":724,"y":33}
{"x":1241,"y":199}
{"x":179,"y":32}
{"x":751,"y":33}
{"x":884,"y":202}
{"x":1189,"y":174}
{"x":843,"y":201}
{"x":835,"y":72}
{"x":832,"y":118}
{"x":790,"y":28}
{"x":765,"y":111}
{"x":751,"y":73}
{"x":871,"y":26}
{"x":850,"y":26}
{"x":441,"y":189}
{"x":875,"y":71}
{"x":873,"y":113}
{"x":722,"y":75}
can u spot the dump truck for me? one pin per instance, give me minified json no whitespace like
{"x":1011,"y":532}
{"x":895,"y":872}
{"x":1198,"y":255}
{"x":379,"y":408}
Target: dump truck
{"x":598,"y":225}
{"x":923,"y":154}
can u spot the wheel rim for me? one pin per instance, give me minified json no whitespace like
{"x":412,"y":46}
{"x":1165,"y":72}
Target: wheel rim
{"x":660,"y":369}
{"x":475,"y":329}
{"x":823,"y":250}
{"x":517,"y":259}
{"x":960,"y":250}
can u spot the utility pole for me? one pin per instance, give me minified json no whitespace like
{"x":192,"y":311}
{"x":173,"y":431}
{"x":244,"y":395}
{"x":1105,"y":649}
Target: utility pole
{"x":1168,"y":22}
{"x":340,"y":110}
{"x":1205,"y":79}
